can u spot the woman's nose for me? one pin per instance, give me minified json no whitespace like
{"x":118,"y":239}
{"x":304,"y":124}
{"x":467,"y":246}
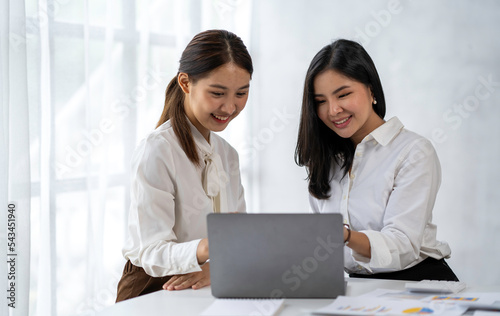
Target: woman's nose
{"x":335,"y":108}
{"x":229,"y":106}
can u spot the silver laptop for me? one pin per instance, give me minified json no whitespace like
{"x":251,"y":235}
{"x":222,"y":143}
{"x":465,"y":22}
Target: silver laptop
{"x":276,"y":255}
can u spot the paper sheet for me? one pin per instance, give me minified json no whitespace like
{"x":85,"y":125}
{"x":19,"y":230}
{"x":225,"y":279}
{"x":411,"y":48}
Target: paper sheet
{"x":244,"y":307}
{"x":345,"y":305}
{"x":386,"y":302}
{"x":486,"y":313}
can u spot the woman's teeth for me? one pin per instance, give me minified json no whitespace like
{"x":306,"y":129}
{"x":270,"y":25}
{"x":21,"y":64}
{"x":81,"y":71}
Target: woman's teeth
{"x":343,"y":121}
{"x":222,"y":118}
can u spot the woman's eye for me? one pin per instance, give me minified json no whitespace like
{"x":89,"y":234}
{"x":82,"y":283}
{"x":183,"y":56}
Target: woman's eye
{"x":344,"y":95}
{"x":241,"y":94}
{"x":217,"y":94}
{"x":318,"y":102}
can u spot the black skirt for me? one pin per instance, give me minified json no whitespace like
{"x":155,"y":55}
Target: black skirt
{"x":429,"y":269}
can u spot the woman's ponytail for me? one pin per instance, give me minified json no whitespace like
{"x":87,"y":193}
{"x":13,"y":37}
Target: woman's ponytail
{"x":174,"y":111}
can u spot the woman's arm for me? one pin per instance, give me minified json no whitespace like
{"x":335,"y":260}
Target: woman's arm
{"x":407,"y":213}
{"x":152,"y":242}
{"x":195,"y":280}
{"x":202,"y":251}
{"x":358,"y":242}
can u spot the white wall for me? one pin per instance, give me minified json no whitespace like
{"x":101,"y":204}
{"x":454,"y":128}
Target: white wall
{"x":433,"y":58}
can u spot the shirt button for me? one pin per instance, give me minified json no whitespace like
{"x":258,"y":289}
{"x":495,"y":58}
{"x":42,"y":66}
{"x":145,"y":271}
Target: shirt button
{"x":351,"y":176}
{"x":344,"y":197}
{"x":359,"y":154}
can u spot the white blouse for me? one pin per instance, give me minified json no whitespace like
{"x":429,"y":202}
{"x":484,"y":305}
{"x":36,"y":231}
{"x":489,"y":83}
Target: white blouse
{"x":171,"y":197}
{"x":389,"y":195}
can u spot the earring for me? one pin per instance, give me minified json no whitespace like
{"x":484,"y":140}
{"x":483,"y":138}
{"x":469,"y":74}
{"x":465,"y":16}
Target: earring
{"x":374,"y":101}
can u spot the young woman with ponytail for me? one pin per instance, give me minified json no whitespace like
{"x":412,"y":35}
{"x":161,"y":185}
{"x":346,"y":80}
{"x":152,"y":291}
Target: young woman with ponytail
{"x":182,"y":170}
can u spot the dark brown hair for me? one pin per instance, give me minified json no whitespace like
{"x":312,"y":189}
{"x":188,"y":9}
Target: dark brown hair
{"x":318,"y":147}
{"x":207,"y":51}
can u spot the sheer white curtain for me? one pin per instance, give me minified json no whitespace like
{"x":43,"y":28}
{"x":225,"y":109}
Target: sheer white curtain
{"x":82,"y":82}
{"x":14,"y":163}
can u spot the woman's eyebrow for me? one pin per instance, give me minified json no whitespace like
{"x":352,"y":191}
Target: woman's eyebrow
{"x":334,"y":92}
{"x":339,"y":89}
{"x":219,"y":86}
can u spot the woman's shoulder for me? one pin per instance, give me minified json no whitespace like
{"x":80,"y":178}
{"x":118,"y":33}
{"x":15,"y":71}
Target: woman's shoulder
{"x":164,"y":132}
{"x":415,"y":146}
{"x":160,"y":139}
{"x":402,"y":135}
{"x":412,"y":138}
{"x":403,"y":141}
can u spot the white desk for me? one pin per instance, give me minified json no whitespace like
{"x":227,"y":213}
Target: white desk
{"x":193,"y":302}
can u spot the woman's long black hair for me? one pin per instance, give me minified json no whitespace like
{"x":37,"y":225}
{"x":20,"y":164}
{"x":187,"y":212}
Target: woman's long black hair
{"x":318,"y":147}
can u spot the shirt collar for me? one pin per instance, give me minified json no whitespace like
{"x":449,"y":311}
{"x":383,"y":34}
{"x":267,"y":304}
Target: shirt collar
{"x":200,"y":141}
{"x":386,"y":132}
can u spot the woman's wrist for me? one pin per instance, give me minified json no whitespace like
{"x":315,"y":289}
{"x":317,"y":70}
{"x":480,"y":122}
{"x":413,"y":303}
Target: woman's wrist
{"x":347,"y":234}
{"x":202,"y":251}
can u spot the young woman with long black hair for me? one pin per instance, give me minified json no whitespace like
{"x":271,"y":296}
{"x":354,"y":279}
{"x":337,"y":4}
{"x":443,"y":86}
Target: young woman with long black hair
{"x":380,"y":176}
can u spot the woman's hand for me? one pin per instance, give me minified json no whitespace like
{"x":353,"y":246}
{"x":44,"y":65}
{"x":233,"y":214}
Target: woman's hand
{"x":195,"y":280}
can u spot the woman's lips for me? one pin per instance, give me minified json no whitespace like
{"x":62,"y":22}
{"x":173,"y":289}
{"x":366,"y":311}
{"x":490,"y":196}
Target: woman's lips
{"x":343,"y":122}
{"x":220,"y":118}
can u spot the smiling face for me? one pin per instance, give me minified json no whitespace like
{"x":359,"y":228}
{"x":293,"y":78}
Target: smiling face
{"x":213,"y":101}
{"x":345,"y":105}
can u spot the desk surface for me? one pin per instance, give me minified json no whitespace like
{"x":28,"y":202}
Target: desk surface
{"x":193,"y":302}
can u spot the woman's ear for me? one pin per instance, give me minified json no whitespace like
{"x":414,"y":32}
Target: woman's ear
{"x":183,"y":80}
{"x":374,"y":101}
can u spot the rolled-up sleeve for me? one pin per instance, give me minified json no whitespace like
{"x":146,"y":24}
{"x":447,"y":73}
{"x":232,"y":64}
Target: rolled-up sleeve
{"x":409,"y":208}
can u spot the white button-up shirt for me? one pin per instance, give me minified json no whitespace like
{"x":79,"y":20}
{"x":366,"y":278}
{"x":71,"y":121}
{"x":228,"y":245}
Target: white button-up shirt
{"x":389,"y":195}
{"x":171,"y":197}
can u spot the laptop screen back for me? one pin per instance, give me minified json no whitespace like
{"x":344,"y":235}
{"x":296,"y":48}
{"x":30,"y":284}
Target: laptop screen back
{"x":276,"y":255}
